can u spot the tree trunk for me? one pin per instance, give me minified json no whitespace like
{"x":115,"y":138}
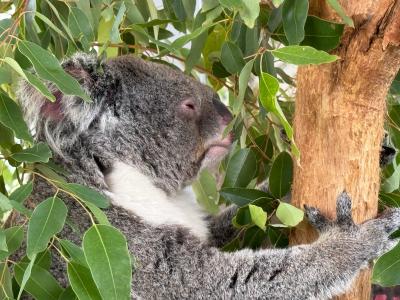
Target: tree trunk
{"x":339,"y":117}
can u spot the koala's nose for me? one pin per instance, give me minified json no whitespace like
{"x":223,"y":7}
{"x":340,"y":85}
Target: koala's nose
{"x":223,"y":111}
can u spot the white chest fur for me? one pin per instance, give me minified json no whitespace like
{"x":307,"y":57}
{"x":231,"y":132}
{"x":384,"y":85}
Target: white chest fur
{"x":135,"y":192}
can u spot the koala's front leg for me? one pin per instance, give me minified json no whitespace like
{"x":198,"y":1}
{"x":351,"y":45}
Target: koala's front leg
{"x":221,"y":228}
{"x":178,"y":267}
{"x":330,"y":264}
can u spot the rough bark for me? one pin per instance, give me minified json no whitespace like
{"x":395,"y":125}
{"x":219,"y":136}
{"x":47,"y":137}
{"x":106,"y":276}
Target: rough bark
{"x":339,"y":117}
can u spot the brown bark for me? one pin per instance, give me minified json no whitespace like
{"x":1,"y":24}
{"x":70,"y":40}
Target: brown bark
{"x":339,"y":117}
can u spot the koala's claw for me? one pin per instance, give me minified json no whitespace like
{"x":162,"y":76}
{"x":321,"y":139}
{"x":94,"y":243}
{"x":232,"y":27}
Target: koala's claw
{"x":390,"y":219}
{"x":343,"y":214}
{"x":316,"y":218}
{"x":343,"y":210}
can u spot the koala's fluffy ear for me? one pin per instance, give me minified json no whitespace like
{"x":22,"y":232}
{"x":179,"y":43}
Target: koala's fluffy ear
{"x":82,"y":67}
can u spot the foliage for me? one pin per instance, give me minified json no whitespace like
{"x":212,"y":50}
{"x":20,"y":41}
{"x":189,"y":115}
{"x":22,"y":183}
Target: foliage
{"x":242,"y":48}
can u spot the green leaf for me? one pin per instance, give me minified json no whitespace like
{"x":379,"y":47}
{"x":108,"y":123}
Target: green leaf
{"x":21,"y":208}
{"x":232,"y":57}
{"x":6,"y":291}
{"x":80,"y":26}
{"x":205,"y":188}
{"x":74,"y":252}
{"x":294,"y":15}
{"x":6,"y":137}
{"x":50,"y":24}
{"x":47,"y":220}
{"x":319,"y":34}
{"x":103,"y":36}
{"x":242,"y":196}
{"x":3,"y":243}
{"x":38,"y":153}
{"x":269,"y":86}
{"x":258,"y":216}
{"x":22,"y":275}
{"x":281,"y":175}
{"x":107,"y":255}
{"x":390,"y":199}
{"x":5,"y":204}
{"x":43,"y":259}
{"x":387,"y":268}
{"x":183,"y":40}
{"x":303,"y":55}
{"x":11,"y":117}
{"x":338,"y":8}
{"x":85,"y":194}
{"x":41,"y":284}
{"x":322,"y":34}
{"x":98,"y":213}
{"x":14,"y":237}
{"x":241,"y":169}
{"x":31,"y":78}
{"x":248,"y":9}
{"x":68,"y":294}
{"x":48,"y":67}
{"x":114,"y":34}
{"x":22,"y":192}
{"x":82,"y":282}
{"x":289,"y":215}
{"x":244,"y":78}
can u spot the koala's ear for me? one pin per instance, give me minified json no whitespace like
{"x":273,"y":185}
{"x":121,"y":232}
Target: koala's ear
{"x":83,"y":67}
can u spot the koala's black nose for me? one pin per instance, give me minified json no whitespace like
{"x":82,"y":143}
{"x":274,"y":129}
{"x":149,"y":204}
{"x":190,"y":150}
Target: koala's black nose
{"x":223,"y":111}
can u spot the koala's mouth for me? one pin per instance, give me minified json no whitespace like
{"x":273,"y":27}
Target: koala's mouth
{"x":216,"y":151}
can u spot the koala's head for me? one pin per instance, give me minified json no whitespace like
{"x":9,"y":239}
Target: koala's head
{"x":144,"y":114}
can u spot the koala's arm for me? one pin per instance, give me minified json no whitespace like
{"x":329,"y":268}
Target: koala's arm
{"x":221,"y":228}
{"x":180,"y":266}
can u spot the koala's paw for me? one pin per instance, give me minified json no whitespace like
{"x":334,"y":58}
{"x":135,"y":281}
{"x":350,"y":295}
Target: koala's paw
{"x":370,"y":239}
{"x":343,"y":215}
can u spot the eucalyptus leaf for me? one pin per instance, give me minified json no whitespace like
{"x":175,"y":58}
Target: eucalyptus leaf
{"x":387,"y":268}
{"x":80,"y":26}
{"x":85,"y":194}
{"x":281,"y":175}
{"x":243,"y":196}
{"x":294,"y":15}
{"x":22,"y":273}
{"x":289,"y":215}
{"x":241,"y":169}
{"x":6,"y":291}
{"x":248,"y":9}
{"x":5,"y":204}
{"x":41,"y":284}
{"x":232,"y":57}
{"x":114,"y":34}
{"x":14,"y":236}
{"x":31,"y":78}
{"x":47,"y":220}
{"x":205,"y":188}
{"x":109,"y":261}
{"x":269,"y":87}
{"x":244,"y":78}
{"x":258,"y":216}
{"x":22,"y":192}
{"x":3,"y":243}
{"x":74,"y":252}
{"x":82,"y":282}
{"x":338,"y":8}
{"x":48,"y":68}
{"x":38,"y":153}
{"x":11,"y":117}
{"x":303,"y":55}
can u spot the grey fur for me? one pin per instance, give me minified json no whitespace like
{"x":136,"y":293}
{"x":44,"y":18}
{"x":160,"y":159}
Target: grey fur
{"x":133,"y":119}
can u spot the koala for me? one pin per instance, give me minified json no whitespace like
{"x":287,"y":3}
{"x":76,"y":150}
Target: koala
{"x":145,"y":136}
